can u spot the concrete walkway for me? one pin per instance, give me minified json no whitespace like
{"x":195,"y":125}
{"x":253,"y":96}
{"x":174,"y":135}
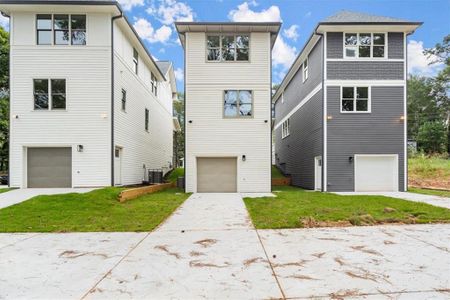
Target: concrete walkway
{"x":429,"y":199}
{"x":209,"y":249}
{"x":19,"y":195}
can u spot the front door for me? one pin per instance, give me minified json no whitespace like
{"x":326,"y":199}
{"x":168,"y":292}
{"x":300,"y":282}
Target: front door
{"x":118,"y":166}
{"x":318,"y":173}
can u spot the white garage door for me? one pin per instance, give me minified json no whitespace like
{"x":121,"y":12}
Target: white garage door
{"x":216,"y":175}
{"x":376,"y":173}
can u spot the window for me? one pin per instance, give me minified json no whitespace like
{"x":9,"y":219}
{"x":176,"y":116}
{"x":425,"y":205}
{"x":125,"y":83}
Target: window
{"x":305,"y":69}
{"x":355,"y":99}
{"x":61,"y":29}
{"x":364,"y":45}
{"x":56,"y":99}
{"x":285,"y":129}
{"x":44,"y":29}
{"x":135,"y":61}
{"x":227,"y":47}
{"x":282,"y":97}
{"x":154,"y":84}
{"x":124,"y":100}
{"x":146,"y":119}
{"x":238,"y":104}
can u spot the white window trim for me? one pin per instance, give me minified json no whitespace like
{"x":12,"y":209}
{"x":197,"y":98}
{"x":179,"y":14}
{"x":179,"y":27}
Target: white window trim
{"x":53,"y":30}
{"x":305,"y":71}
{"x":282,"y":97}
{"x":371,"y":58}
{"x":285,"y":129}
{"x":369,"y":100}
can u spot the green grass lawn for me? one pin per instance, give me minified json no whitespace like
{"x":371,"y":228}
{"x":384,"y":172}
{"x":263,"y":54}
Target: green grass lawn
{"x":426,"y":171}
{"x":4,"y":190}
{"x":97,"y":210}
{"x":175,"y":174}
{"x":296,"y":208}
{"x":430,"y":192}
{"x":276,"y":173}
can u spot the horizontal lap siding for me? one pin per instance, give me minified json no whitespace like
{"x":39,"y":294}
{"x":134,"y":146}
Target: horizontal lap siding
{"x":365,"y":70}
{"x":210,"y":134}
{"x":380,"y":132}
{"x":395,"y":45}
{"x":295,"y":153}
{"x":335,"y":46}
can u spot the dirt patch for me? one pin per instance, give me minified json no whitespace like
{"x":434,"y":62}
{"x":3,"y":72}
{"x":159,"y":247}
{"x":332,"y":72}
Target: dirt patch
{"x":199,"y":264}
{"x":339,"y":261}
{"x":75,"y":254}
{"x":206,"y":242}
{"x":342,"y":294}
{"x":386,"y":242}
{"x":251,"y":261}
{"x":366,"y":276}
{"x":319,"y":255}
{"x":196,"y":253}
{"x":365,"y":250}
{"x":302,"y":277}
{"x":165,"y":248}
{"x":389,"y":210}
{"x":292,"y":264}
{"x":310,"y":222}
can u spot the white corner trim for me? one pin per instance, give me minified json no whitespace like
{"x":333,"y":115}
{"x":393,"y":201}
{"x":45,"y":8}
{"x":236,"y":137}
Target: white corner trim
{"x":325,"y":117}
{"x":298,"y":106}
{"x":366,"y":82}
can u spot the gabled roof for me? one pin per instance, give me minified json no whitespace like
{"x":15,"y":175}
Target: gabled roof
{"x":164,"y":66}
{"x":346,"y":16}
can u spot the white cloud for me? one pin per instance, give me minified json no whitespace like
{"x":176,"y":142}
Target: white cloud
{"x":129,"y":4}
{"x":179,"y":74}
{"x":291,"y":32}
{"x":170,"y":11}
{"x":148,"y":33}
{"x":418,"y":63}
{"x":4,"y":22}
{"x":283,"y":54}
{"x":243,"y":13}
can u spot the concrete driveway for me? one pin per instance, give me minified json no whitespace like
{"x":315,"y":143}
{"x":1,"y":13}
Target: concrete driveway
{"x":209,"y":249}
{"x":19,"y":195}
{"x":429,"y":199}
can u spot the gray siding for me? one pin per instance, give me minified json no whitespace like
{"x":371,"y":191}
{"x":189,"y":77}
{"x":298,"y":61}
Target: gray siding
{"x":295,"y":153}
{"x":380,"y":132}
{"x":297,"y":89}
{"x":365,"y":70}
{"x":335,"y":46}
{"x":395,"y":45}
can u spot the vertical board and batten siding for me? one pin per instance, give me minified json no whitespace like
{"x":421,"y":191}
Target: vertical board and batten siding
{"x":152,"y":148}
{"x":294,"y":155}
{"x":380,"y":132}
{"x":87,"y":70}
{"x":211,"y":135}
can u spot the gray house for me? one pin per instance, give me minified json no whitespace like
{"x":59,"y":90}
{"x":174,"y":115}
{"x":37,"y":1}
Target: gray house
{"x":340,"y":112}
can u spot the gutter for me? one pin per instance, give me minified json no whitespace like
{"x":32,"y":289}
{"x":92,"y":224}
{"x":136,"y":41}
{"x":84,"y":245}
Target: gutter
{"x":112,"y":95}
{"x":324,"y":159}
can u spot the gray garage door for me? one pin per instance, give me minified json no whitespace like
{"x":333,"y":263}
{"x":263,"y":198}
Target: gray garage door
{"x":49,"y":167}
{"x":216,"y":175}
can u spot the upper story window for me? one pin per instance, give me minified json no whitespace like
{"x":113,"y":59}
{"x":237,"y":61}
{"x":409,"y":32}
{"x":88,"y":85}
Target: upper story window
{"x":60,"y":29}
{"x":154,"y":84}
{"x":227,"y":47}
{"x":285,"y":129}
{"x":238,"y":104}
{"x":305,"y":69}
{"x":124,"y":99}
{"x":49,"y":94}
{"x":364,"y":45}
{"x":147,"y":119}
{"x":135,"y":61}
{"x":355,"y":99}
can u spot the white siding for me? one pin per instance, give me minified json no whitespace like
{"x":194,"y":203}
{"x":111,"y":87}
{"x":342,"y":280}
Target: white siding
{"x":153,"y":148}
{"x":210,"y":134}
{"x":87,"y":118}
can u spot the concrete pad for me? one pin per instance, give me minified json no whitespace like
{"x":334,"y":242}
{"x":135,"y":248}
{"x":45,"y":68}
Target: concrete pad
{"x":357,"y":261}
{"x":257,"y":195}
{"x":210,"y":211}
{"x":227,"y":264}
{"x":7,"y":239}
{"x":429,"y":199}
{"x":60,"y":266}
{"x":19,"y":195}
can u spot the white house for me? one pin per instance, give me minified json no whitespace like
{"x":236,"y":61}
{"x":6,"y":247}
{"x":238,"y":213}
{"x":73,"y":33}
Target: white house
{"x":228,"y":105}
{"x":89,"y":105}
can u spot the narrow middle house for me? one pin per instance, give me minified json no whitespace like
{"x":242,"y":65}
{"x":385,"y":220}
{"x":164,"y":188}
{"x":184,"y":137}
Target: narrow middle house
{"x":228,"y":105}
{"x":340,"y":112}
{"x":88,"y":104}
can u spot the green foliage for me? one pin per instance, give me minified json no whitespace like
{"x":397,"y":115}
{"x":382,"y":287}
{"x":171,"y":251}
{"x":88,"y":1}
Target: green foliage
{"x":178,"y":107}
{"x":439,"y":193}
{"x":432,"y":137}
{"x":293,"y":206}
{"x":4,"y":98}
{"x":174,"y":174}
{"x":98,"y":210}
{"x":276,"y":173}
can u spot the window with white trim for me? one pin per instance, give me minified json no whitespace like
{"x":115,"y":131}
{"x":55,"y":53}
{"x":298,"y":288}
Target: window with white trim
{"x":355,"y":99}
{"x":154,"y":84}
{"x":227,"y":47}
{"x":49,"y":94}
{"x":365,"y":45}
{"x":305,"y":69}
{"x":285,"y":129}
{"x":60,"y":29}
{"x":135,"y":60}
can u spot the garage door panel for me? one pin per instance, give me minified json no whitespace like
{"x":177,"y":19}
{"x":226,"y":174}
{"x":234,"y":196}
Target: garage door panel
{"x":216,"y":175}
{"x":377,"y":173}
{"x":49,"y":167}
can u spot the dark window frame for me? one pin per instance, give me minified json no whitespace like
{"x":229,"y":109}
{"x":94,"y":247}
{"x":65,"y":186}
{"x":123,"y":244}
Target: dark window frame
{"x":220,"y":48}
{"x":50,"y":94}
{"x":53,"y":31}
{"x":124,"y":100}
{"x":238,"y":104}
{"x":147,"y":119}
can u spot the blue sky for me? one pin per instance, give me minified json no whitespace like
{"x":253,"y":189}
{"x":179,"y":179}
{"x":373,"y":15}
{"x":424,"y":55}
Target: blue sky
{"x":153,"y":19}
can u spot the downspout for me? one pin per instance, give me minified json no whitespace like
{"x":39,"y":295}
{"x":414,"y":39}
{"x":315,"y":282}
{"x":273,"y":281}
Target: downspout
{"x":323,"y":108}
{"x":9,"y":104}
{"x":112,"y":95}
{"x":405,"y":154}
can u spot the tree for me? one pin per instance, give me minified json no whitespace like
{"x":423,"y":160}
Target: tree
{"x":432,"y":137}
{"x":4,"y":98}
{"x":178,"y":107}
